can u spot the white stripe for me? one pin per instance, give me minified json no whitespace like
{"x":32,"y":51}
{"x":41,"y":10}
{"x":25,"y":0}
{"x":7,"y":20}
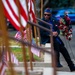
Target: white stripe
{"x":3,"y":70}
{"x":32,"y":7}
{"x":29,"y":4}
{"x":23,"y":21}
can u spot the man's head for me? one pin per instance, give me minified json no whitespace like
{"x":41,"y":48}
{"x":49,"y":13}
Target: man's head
{"x":47,"y":13}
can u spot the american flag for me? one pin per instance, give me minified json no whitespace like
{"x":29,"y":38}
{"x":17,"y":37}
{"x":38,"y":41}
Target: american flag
{"x":18,"y":35}
{"x":14,"y":60}
{"x":5,"y":59}
{"x":32,"y":15}
{"x":3,"y":68}
{"x":3,"y":63}
{"x":33,"y":50}
{"x":11,"y":12}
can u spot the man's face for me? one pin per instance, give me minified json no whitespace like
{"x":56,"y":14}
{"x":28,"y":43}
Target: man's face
{"x":47,"y":15}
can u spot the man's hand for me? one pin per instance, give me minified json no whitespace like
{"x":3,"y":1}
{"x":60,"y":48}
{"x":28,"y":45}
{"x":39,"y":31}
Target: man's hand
{"x":55,"y":33}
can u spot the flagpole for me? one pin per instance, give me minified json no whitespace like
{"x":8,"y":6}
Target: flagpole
{"x":23,"y":46}
{"x":36,"y":30}
{"x":5,"y":40}
{"x":41,"y":8}
{"x":29,"y":32}
{"x":34,"y":26}
{"x":0,"y":47}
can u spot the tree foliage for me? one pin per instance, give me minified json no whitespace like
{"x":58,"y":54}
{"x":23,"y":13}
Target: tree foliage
{"x":60,"y":3}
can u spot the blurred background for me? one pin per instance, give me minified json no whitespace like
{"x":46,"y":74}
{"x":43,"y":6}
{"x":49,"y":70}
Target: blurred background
{"x":58,"y":7}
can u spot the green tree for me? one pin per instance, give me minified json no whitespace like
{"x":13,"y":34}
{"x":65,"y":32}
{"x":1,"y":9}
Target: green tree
{"x":59,"y":3}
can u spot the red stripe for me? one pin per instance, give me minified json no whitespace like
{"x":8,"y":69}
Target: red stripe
{"x":33,"y":15}
{"x":31,"y":11}
{"x":23,"y":13}
{"x":32,"y":0}
{"x":1,"y":68}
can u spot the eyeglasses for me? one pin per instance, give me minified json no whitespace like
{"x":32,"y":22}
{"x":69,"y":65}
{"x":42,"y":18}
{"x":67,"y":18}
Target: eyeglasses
{"x":47,"y":14}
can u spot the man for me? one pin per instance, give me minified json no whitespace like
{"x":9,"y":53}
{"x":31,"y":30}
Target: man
{"x":58,"y":44}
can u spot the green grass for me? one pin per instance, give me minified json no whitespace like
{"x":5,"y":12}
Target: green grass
{"x":19,"y":54}
{"x":9,"y":73}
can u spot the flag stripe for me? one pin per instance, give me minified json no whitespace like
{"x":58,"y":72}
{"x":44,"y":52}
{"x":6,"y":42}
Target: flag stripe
{"x":31,"y":10}
{"x":11,"y":20}
{"x":23,"y":12}
{"x":3,"y":68}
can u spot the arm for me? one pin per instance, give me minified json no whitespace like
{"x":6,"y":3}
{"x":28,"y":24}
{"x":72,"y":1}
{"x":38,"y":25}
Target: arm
{"x":55,"y":25}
